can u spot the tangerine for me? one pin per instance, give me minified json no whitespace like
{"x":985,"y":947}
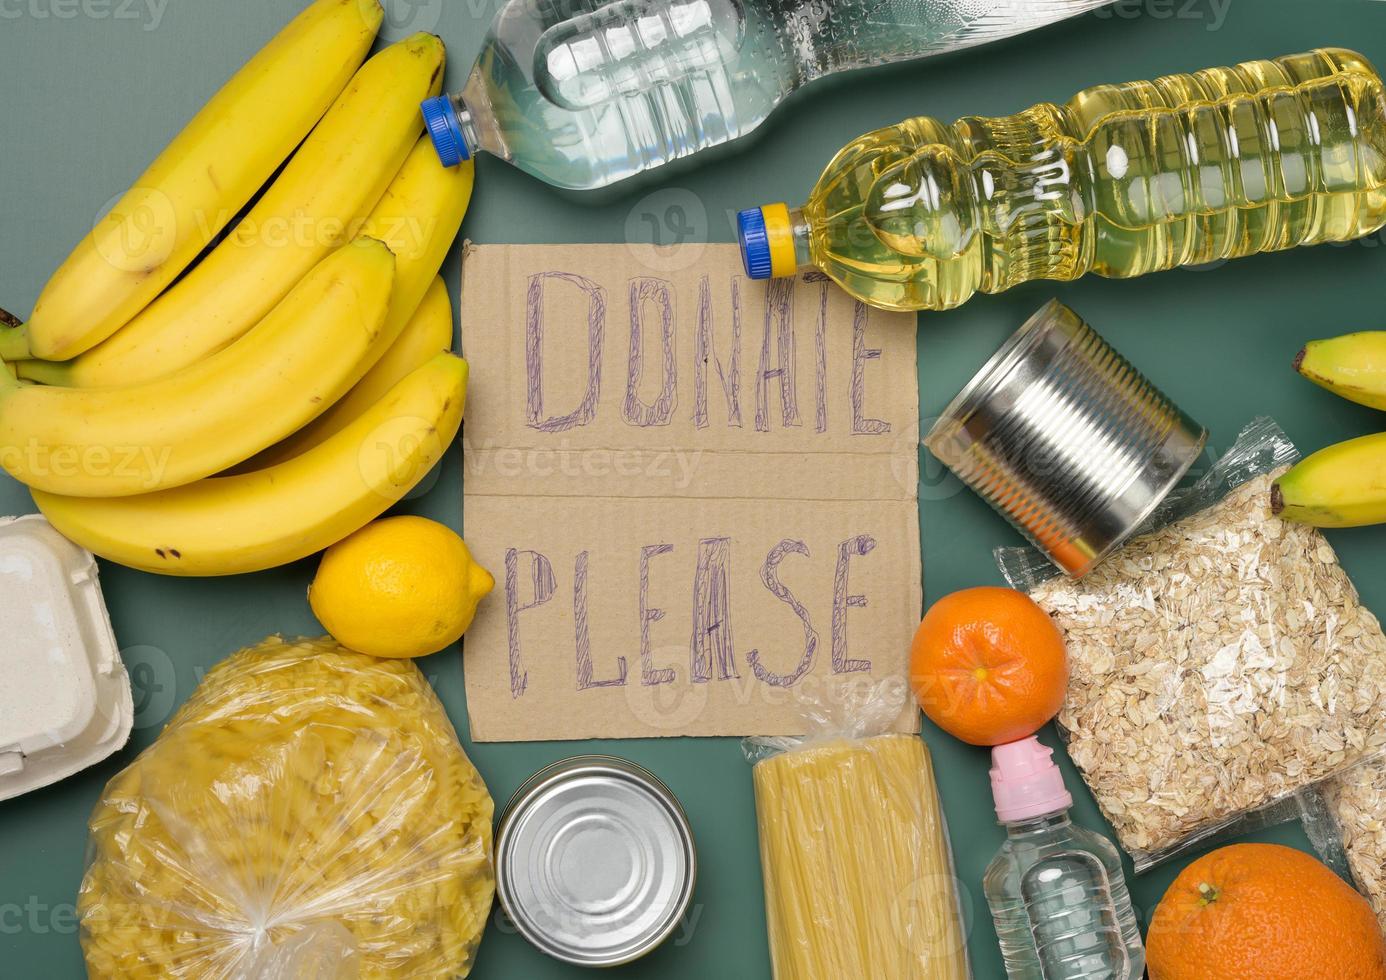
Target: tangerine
{"x":988,"y":666}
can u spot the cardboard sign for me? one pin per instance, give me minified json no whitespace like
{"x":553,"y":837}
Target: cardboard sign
{"x":697,"y":492}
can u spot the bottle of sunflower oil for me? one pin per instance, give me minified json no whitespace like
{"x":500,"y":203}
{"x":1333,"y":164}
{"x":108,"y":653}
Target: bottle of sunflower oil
{"x":1122,"y":180}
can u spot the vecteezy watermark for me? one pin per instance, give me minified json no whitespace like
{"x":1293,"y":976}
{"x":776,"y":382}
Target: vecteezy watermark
{"x":153,"y":684}
{"x":139,"y":230}
{"x":665,"y":707}
{"x":1370,"y":240}
{"x":139,"y":466}
{"x":922,"y":917}
{"x":149,"y":13}
{"x":304,"y":230}
{"x":667,"y":230}
{"x":681,"y":936}
{"x":670,"y":466}
{"x":404,"y":18}
{"x":399,"y":454}
{"x":37,"y":918}
{"x":1212,"y":12}
{"x":675,"y":707}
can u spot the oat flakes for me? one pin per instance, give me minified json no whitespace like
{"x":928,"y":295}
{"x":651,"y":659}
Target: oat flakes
{"x":1218,"y":664}
{"x":1358,"y":801}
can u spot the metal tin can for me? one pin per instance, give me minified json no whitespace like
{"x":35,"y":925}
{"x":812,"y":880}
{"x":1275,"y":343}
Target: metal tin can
{"x":1066,"y":440}
{"x":595,"y":861}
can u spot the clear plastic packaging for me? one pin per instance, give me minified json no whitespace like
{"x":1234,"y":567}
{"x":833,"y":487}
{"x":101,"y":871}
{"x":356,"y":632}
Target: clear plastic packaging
{"x":1221,"y":661}
{"x":309,"y":813}
{"x":1345,"y":819}
{"x":859,"y":878}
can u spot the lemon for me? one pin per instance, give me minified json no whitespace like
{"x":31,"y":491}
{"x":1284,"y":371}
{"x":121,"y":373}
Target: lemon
{"x":401,"y":587}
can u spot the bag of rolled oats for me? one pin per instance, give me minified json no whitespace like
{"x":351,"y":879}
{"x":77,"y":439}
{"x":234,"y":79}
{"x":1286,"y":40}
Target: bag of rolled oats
{"x":1220,"y":661}
{"x":1345,"y":820}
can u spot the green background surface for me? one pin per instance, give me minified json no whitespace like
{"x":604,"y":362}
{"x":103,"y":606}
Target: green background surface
{"x":93,"y":89}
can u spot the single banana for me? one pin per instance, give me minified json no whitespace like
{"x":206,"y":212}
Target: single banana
{"x":314,"y":207}
{"x":199,"y":183}
{"x":428,"y":333}
{"x":419,"y":218}
{"x":232,"y":524}
{"x":1352,"y":366}
{"x":1341,"y":486}
{"x":113,"y":442}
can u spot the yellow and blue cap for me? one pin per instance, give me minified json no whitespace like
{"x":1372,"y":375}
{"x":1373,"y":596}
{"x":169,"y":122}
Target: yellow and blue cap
{"x":767,"y":241}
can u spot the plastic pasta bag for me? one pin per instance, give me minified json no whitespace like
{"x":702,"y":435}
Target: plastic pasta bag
{"x":859,"y":878}
{"x":307,"y":814}
{"x":1220,"y":661}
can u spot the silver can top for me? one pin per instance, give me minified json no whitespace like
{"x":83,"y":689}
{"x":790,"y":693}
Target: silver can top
{"x":595,"y":862}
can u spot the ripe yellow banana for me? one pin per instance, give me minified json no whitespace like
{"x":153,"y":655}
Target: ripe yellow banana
{"x":314,"y":207}
{"x":114,"y":442}
{"x":428,"y":333}
{"x":1353,"y":366}
{"x":232,"y":524}
{"x":419,"y":218}
{"x":1341,"y":486}
{"x":204,"y":177}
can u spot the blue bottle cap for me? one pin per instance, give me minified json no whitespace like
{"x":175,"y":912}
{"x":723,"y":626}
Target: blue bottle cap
{"x":755,"y":243}
{"x":441,"y":119}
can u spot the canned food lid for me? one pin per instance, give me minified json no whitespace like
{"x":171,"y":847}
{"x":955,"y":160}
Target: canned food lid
{"x":595,"y":861}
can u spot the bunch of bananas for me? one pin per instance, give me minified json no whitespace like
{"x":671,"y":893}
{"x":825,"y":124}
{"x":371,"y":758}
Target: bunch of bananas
{"x":296,"y":381}
{"x":1343,"y":485}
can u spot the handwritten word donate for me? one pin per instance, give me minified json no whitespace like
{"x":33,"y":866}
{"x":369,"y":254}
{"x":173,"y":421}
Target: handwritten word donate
{"x":652,"y":299}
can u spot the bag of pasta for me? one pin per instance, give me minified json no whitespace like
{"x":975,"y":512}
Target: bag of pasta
{"x":307,"y":814}
{"x":859,"y":878}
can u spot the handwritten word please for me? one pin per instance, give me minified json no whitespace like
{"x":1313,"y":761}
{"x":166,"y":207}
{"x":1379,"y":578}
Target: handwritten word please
{"x":530,"y":583}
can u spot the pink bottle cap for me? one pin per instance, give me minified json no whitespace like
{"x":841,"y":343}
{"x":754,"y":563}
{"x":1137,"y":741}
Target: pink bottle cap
{"x":1025,"y":782}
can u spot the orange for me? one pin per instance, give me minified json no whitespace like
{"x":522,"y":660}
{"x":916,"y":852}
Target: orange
{"x":1263,"y":912}
{"x":988,"y":665}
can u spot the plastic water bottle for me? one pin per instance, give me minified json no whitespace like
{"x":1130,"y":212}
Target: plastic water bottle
{"x":1057,"y":893}
{"x":582,"y":93}
{"x":1121,"y":180}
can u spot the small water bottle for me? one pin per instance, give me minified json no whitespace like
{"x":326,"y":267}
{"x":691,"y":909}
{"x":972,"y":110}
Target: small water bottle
{"x":1057,"y":893}
{"x":582,"y":93}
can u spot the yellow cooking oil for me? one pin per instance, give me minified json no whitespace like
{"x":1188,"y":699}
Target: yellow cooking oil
{"x":1121,"y":180}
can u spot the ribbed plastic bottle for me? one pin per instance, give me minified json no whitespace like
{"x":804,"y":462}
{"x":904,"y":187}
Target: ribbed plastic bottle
{"x":1121,"y":180}
{"x":1057,"y":894}
{"x":582,"y":93}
